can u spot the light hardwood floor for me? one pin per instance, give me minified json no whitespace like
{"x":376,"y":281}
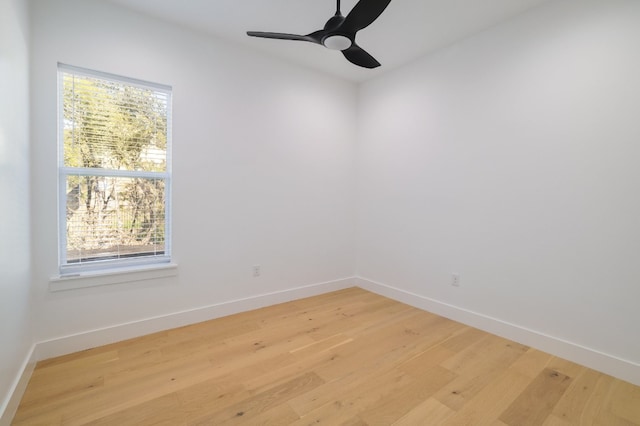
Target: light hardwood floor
{"x":344,"y":358}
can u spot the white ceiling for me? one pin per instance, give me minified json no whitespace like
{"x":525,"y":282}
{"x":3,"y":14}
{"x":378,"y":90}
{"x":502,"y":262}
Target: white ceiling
{"x":406,"y":30}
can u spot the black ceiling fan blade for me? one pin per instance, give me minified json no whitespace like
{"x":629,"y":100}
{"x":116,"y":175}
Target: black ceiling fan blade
{"x":356,"y":55}
{"x":317,"y":36}
{"x":281,"y":36}
{"x":363,"y":14}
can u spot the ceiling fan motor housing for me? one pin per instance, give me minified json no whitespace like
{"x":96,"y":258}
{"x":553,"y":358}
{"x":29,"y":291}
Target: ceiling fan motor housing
{"x":337,"y":42}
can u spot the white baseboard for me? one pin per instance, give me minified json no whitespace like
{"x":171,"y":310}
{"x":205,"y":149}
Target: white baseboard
{"x":10,"y":404}
{"x":92,"y":338}
{"x":606,"y":363}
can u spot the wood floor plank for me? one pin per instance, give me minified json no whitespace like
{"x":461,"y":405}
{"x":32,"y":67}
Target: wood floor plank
{"x":420,"y":364}
{"x":279,"y":415}
{"x":165,"y":410}
{"x":348,"y":400}
{"x":283,"y":373}
{"x":536,"y":403}
{"x":491,"y":351}
{"x":431,"y":411}
{"x":73,"y":385}
{"x":372,"y":346}
{"x":321,"y":346}
{"x":209,"y":397}
{"x":349,"y":357}
{"x":572,"y":404}
{"x":531,"y":363}
{"x":243,"y":411}
{"x":354,"y":421}
{"x":480,"y":369}
{"x":487,"y":406}
{"x":348,"y":388}
{"x":554,"y":420}
{"x":625,"y":401}
{"x":407,"y":397}
{"x":466,"y":337}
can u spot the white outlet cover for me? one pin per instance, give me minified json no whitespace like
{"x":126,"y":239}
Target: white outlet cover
{"x":455,"y":280}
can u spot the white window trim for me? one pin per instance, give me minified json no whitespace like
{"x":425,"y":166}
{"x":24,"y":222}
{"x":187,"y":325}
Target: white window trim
{"x":111,"y":276}
{"x":102,"y":272}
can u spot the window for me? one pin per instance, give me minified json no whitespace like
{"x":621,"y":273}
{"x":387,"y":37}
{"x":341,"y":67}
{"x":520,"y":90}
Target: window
{"x":114,"y":142}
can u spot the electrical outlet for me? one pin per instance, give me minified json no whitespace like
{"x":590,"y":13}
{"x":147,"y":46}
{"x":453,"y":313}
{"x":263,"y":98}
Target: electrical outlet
{"x":256,"y":270}
{"x":455,"y":280}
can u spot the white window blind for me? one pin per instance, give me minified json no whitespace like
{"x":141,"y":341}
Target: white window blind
{"x":114,"y":171}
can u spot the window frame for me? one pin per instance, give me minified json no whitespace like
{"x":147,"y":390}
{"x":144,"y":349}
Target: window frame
{"x":105,"y":265}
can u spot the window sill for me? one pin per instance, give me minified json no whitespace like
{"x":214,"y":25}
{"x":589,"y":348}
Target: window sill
{"x":112,"y":276}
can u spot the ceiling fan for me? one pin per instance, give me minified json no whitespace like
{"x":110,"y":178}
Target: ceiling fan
{"x":339,"y":33}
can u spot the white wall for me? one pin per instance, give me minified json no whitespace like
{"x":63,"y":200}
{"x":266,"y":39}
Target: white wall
{"x":15,"y":281}
{"x":511,"y":158}
{"x":263,"y":166}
